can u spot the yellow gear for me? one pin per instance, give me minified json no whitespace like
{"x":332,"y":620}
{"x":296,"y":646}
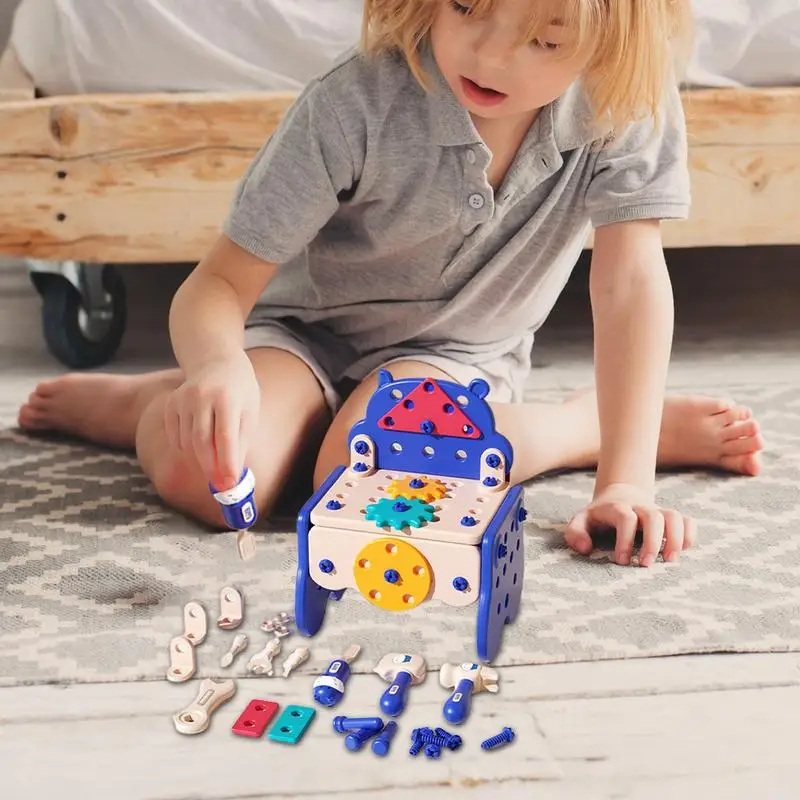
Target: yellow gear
{"x":431,"y":490}
{"x":392,"y":574}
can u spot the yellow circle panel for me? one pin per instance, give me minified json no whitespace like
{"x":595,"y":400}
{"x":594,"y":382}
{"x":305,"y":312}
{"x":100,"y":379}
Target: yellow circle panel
{"x":392,"y":574}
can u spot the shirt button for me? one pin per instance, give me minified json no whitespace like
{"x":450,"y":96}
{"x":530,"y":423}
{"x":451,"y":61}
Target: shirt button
{"x":476,"y":200}
{"x":471,"y":156}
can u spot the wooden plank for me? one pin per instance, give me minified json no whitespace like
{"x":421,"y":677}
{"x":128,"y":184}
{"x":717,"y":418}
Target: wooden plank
{"x":149,"y":178}
{"x":97,"y":738}
{"x":15,"y":83}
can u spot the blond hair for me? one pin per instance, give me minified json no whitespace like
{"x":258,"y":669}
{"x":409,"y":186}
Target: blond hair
{"x":635,"y":48}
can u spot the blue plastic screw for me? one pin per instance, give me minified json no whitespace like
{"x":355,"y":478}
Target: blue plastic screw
{"x":453,"y":740}
{"x":417,"y":483}
{"x":506,"y":736}
{"x":468,"y":522}
{"x":427,"y":736}
{"x":523,"y":514}
{"x":333,"y":505}
{"x":427,"y":426}
{"x":460,"y":584}
{"x":416,"y":746}
{"x":362,"y":448}
{"x":326,"y":566}
{"x":380,"y":746}
{"x":360,"y":467}
{"x":342,"y":724}
{"x":433,"y":751}
{"x":391,"y":576}
{"x":493,"y":460}
{"x":490,"y":481}
{"x":502,"y":551}
{"x":400,"y":506}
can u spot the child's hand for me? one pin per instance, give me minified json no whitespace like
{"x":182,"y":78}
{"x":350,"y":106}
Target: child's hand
{"x":213,"y":416}
{"x":627,"y":509}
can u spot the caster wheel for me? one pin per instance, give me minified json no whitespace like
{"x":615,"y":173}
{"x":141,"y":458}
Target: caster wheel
{"x":79,"y":336}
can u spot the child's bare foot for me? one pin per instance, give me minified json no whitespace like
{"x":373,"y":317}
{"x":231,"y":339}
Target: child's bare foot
{"x":698,"y":431}
{"x":101,"y":408}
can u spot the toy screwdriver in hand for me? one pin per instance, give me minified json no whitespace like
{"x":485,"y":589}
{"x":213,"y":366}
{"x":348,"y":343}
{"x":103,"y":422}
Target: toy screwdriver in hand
{"x":239,"y":509}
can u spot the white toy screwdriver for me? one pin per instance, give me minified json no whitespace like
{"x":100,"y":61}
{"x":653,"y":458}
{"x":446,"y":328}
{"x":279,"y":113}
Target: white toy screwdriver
{"x":239,"y":509}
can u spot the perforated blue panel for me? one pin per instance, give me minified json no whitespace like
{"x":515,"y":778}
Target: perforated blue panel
{"x":431,"y":453}
{"x":502,"y":574}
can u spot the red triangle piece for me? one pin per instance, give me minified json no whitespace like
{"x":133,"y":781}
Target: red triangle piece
{"x":428,"y":405}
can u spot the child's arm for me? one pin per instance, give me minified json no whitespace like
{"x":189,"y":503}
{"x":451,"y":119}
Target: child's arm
{"x":633,"y":313}
{"x":640,"y":177}
{"x":213,"y":413}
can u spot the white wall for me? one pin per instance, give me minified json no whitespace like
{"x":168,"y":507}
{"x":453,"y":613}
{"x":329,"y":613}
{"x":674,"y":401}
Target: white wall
{"x":6,"y":12}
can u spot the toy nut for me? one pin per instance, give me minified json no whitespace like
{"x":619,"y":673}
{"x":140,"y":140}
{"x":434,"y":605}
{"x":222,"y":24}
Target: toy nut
{"x":238,"y":504}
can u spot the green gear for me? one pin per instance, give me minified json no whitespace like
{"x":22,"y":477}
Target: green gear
{"x":399,"y":512}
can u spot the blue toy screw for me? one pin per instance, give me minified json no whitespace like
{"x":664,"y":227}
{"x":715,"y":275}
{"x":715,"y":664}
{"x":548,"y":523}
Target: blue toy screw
{"x":427,"y":426}
{"x":401,"y":507}
{"x":333,"y":505}
{"x":502,"y":551}
{"x":427,"y":736}
{"x":380,"y":746}
{"x":326,"y":566}
{"x":506,"y":736}
{"x":490,"y":481}
{"x":493,"y":460}
{"x":391,"y":576}
{"x":355,"y":740}
{"x":417,"y":483}
{"x":523,"y":514}
{"x":433,"y":751}
{"x":468,"y":521}
{"x":362,"y":448}
{"x":460,"y":584}
{"x":452,"y":740}
{"x":360,"y":466}
{"x":416,"y":745}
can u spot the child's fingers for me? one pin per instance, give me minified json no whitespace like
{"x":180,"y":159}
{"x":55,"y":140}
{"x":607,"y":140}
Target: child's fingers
{"x":576,"y":534}
{"x":653,"y":527}
{"x":227,"y":419}
{"x":673,"y":535}
{"x":689,"y":532}
{"x":625,"y":522}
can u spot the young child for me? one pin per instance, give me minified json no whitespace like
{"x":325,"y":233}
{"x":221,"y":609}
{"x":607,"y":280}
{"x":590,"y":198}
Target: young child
{"x":421,"y":206}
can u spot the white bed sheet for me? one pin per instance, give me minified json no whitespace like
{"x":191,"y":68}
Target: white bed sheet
{"x":223,"y":45}
{"x":84,"y":46}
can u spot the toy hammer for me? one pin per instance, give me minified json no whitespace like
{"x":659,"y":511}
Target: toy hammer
{"x":468,"y":679}
{"x":403,"y":671}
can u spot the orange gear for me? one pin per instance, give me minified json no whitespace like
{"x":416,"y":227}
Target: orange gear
{"x":410,"y":488}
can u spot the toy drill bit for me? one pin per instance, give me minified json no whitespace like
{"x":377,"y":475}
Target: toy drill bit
{"x":239,"y":509}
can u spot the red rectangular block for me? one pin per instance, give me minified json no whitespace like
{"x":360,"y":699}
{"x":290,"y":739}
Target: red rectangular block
{"x":254,"y":719}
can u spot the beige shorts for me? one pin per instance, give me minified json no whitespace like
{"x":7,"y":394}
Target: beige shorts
{"x":338,"y":378}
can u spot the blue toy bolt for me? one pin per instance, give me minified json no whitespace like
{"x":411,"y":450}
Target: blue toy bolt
{"x":238,"y":504}
{"x":356,"y":739}
{"x":506,"y":736}
{"x":403,"y":671}
{"x":452,"y":741}
{"x":329,"y":687}
{"x":343,"y":724}
{"x":380,"y":745}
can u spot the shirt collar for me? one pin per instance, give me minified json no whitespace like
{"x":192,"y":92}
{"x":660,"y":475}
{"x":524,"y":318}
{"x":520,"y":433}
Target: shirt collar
{"x":566,"y":123}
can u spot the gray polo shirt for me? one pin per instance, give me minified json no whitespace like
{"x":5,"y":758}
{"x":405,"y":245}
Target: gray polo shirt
{"x":372,"y":195}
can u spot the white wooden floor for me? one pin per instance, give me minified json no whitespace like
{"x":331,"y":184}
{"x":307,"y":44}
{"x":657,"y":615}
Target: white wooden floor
{"x":721,"y":727}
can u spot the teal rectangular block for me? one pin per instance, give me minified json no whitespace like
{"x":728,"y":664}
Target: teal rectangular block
{"x":291,"y":724}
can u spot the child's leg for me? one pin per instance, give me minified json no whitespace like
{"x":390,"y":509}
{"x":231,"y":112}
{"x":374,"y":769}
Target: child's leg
{"x":695,"y":431}
{"x":128,"y":411}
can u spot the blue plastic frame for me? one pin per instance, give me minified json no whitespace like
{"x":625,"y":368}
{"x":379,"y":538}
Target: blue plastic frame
{"x":452,"y":457}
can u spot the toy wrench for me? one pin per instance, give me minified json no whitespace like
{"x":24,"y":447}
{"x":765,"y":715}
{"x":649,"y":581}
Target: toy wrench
{"x":196,"y":717}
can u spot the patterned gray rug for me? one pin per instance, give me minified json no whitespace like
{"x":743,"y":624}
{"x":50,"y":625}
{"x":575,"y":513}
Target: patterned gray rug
{"x":94,"y":572}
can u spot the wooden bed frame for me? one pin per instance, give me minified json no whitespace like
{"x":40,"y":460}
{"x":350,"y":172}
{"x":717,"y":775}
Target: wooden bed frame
{"x":115,"y":178}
